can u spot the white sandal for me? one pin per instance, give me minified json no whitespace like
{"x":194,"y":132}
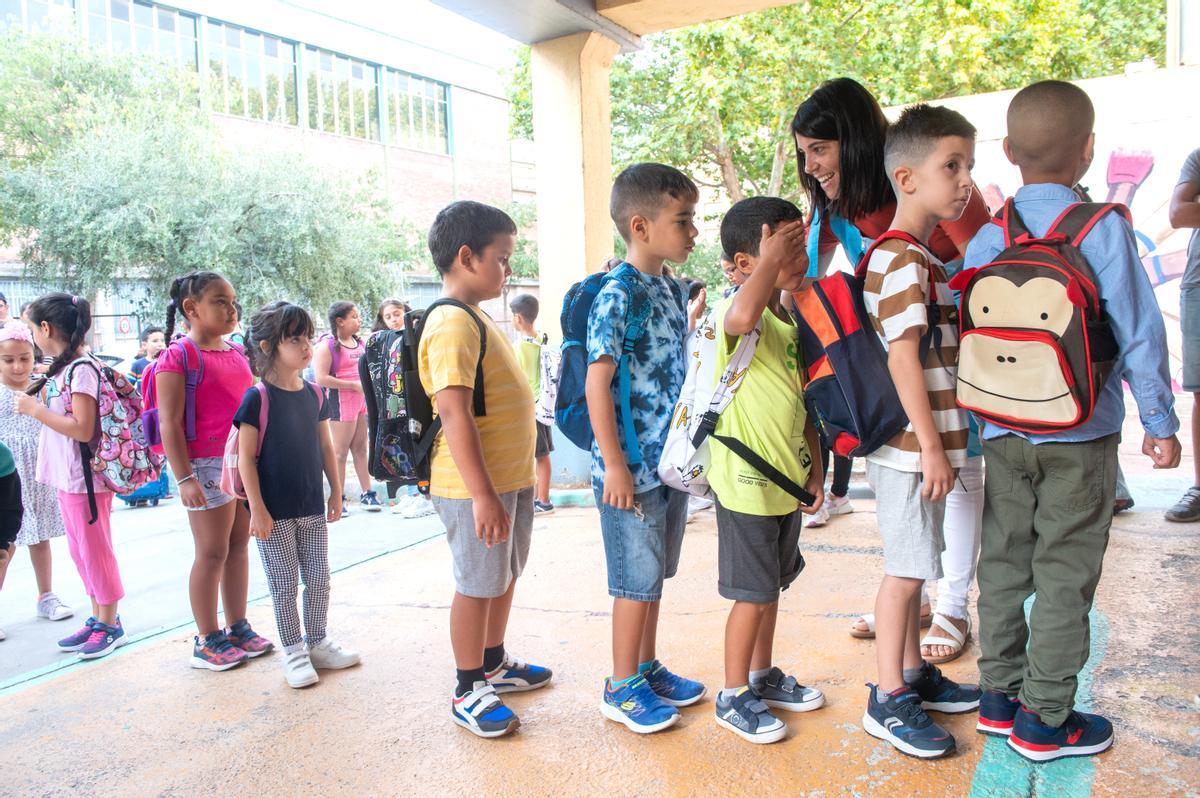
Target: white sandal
{"x":868,"y":618}
{"x":957,"y":644}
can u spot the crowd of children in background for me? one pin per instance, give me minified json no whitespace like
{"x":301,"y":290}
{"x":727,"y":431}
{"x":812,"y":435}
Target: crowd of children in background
{"x":897,"y":197}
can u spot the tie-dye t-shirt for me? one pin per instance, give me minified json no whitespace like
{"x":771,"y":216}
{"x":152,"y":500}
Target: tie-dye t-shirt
{"x":656,"y":368}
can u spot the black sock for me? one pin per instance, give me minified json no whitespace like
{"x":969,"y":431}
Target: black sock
{"x":467,"y":679}
{"x":492,"y":657}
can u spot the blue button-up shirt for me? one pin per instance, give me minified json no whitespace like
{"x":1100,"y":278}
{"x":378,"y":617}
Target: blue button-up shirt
{"x":1129,"y":302}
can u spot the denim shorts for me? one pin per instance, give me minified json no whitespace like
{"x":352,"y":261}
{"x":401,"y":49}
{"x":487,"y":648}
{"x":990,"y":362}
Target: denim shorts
{"x":1189,"y":318}
{"x":208,"y":476}
{"x":641,"y":546}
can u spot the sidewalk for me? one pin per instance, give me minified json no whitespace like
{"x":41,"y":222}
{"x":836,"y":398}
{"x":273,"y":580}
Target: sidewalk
{"x":143,"y":723}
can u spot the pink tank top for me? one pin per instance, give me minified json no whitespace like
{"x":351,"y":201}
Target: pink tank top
{"x":348,"y":361}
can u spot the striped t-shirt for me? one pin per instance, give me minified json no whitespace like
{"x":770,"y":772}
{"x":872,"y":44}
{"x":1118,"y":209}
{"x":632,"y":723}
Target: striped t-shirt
{"x":896,"y":294}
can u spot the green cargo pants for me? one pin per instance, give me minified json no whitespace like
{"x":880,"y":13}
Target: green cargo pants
{"x":1046,"y":518}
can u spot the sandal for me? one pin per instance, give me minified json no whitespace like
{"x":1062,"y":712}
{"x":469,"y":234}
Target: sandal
{"x":868,"y":618}
{"x":956,"y":642}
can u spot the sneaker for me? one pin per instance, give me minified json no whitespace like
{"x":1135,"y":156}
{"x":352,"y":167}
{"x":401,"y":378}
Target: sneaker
{"x":637,"y":706}
{"x":298,"y":669}
{"x":103,"y":640}
{"x":330,"y":656}
{"x":482,"y":713}
{"x":747,"y":716}
{"x":780,"y":691}
{"x":838,"y":505}
{"x":900,"y":721}
{"x":516,"y":676}
{"x":2,"y":635}
{"x":675,"y":690}
{"x":248,"y":640}
{"x":939,"y":694}
{"x":345,"y":508}
{"x":543,"y":508}
{"x":416,"y":507}
{"x":1080,"y":735}
{"x":216,"y":652}
{"x":75,"y":642}
{"x":996,"y":713}
{"x":51,"y":607}
{"x":819,"y":518}
{"x":370,"y":500}
{"x":1186,"y":509}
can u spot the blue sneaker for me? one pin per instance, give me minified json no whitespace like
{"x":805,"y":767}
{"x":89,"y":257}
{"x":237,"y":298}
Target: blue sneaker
{"x":674,"y":690}
{"x":747,"y":716}
{"x":780,"y":691}
{"x":637,"y":706}
{"x":75,"y":641}
{"x":939,"y":694}
{"x":996,"y":713}
{"x":516,"y":676}
{"x":1080,"y":735}
{"x":370,"y":500}
{"x":902,"y":722}
{"x":482,"y":713}
{"x":103,"y":640}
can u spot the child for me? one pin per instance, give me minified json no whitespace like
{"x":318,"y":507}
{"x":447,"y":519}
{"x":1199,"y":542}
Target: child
{"x":390,"y":315}
{"x":11,"y":511}
{"x":524,"y":308}
{"x":43,"y":520}
{"x":60,"y":324}
{"x":348,"y":407}
{"x":641,"y":520}
{"x":482,"y":467}
{"x":153,"y":341}
{"x":284,"y":489}
{"x":220,"y":526}
{"x":758,"y":523}
{"x":928,"y":156}
{"x":1049,"y":498}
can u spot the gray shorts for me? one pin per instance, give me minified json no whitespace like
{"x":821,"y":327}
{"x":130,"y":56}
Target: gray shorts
{"x":208,"y":474}
{"x":480,"y":572}
{"x":757,"y":555}
{"x":1189,"y":321}
{"x":910,"y":526}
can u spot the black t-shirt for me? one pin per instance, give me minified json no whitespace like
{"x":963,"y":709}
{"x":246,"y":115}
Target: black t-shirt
{"x":290,"y":470}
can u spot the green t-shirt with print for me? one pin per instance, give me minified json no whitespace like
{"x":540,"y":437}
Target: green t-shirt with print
{"x":767,"y":414}
{"x":529,"y":355}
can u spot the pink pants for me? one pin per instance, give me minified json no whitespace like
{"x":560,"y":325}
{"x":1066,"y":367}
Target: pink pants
{"x":91,"y":545}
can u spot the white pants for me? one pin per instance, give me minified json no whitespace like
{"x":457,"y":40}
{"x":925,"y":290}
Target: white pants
{"x":961,"y":530}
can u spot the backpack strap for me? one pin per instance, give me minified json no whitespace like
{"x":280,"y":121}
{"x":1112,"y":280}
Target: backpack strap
{"x":1010,"y":222}
{"x":933,"y":313}
{"x":1077,"y":220}
{"x":480,"y":407}
{"x":264,"y":405}
{"x":637,"y":314}
{"x":191,"y":382}
{"x":85,"y":448}
{"x":860,"y":271}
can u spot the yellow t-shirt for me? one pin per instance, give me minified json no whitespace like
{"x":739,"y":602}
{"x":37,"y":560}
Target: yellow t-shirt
{"x":448,"y":354}
{"x":767,"y":414}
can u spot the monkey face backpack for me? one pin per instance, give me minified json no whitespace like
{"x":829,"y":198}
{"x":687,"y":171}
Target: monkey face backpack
{"x":1035,"y":346}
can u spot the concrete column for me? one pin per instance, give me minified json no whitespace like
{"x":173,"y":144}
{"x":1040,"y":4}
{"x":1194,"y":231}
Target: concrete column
{"x":573,"y":137}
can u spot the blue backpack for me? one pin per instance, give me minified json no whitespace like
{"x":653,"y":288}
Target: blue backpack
{"x":570,"y":408}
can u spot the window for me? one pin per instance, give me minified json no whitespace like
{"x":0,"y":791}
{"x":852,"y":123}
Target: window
{"x":31,"y":15}
{"x":127,"y":26}
{"x":252,"y":74}
{"x":342,"y":94}
{"x":416,"y":110}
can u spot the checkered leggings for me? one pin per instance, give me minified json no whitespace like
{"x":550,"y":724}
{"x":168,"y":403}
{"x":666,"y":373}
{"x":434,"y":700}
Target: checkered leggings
{"x":298,"y":547}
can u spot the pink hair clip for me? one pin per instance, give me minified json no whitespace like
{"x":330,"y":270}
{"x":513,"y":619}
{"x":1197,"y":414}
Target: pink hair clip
{"x":16,"y":331}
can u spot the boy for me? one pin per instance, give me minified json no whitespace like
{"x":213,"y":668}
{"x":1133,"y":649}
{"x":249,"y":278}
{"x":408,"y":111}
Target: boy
{"x":481,"y":468}
{"x":1049,"y":498}
{"x":928,"y":156}
{"x":758,"y":523}
{"x":641,"y":520}
{"x":524,"y":308}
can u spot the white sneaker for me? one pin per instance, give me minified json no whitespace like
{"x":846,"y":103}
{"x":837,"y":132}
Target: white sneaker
{"x":417,"y":507}
{"x":819,"y":518}
{"x":329,"y":655}
{"x":298,"y":669}
{"x":838,"y":505}
{"x":2,"y":635}
{"x":50,"y":606}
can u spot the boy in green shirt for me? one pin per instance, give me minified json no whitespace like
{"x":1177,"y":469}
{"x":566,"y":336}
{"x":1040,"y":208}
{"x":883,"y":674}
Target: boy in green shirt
{"x":524,"y":308}
{"x":758,"y":523}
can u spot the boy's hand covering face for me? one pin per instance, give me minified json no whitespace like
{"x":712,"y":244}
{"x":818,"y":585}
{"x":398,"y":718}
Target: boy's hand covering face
{"x":783,"y":249}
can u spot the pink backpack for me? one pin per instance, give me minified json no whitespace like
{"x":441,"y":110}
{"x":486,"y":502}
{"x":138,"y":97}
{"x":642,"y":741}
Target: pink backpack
{"x":231,"y":476}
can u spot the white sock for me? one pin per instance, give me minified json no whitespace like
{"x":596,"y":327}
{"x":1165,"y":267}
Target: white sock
{"x":728,"y":693}
{"x":759,"y":675}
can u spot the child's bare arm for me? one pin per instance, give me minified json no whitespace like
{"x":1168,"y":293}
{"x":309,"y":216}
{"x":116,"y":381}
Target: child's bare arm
{"x":816,"y":473}
{"x":462,"y":436}
{"x":322,"y":364}
{"x":80,"y":425}
{"x":776,"y":249}
{"x":908,"y":374}
{"x":333,"y":506}
{"x":618,"y":482}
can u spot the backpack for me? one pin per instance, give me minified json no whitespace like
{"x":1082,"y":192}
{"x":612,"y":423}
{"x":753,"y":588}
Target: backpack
{"x":192,"y":376}
{"x":381,"y":371}
{"x":570,"y":406}
{"x":686,"y":459}
{"x":1035,"y":346}
{"x":849,"y":391}
{"x":117,"y":455}
{"x":231,"y":475}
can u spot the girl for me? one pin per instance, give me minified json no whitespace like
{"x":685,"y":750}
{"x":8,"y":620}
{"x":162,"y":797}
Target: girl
{"x":42,"y":519}
{"x":346,"y":397}
{"x":839,"y":134}
{"x":390,"y":315}
{"x":284,"y":488}
{"x":60,"y":324}
{"x":220,"y":526}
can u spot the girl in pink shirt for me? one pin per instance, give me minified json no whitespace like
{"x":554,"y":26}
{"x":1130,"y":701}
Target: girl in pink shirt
{"x":335,"y":364}
{"x":220,"y":525}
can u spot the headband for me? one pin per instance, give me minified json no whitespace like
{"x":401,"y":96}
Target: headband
{"x":16,"y":331}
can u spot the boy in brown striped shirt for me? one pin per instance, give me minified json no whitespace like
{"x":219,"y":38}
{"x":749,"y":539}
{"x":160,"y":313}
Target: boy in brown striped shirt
{"x":928,"y":155}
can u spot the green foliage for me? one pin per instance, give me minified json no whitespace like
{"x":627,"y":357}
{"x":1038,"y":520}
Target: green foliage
{"x":524,"y":261}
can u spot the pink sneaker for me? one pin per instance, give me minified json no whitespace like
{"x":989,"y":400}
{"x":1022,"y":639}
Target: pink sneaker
{"x":248,"y":640}
{"x":216,"y":653}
